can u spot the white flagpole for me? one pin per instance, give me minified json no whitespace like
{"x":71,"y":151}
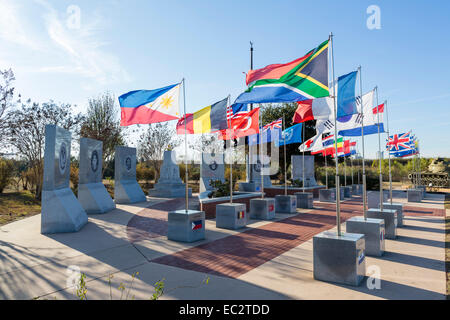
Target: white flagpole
{"x":285,"y":170}
{"x":338,"y":193}
{"x":345,"y":171}
{"x":326,"y":170}
{"x":231,"y":157}
{"x":363,"y":151}
{"x":379,"y":155}
{"x":185,"y":147}
{"x":260,"y":152}
{"x":303,"y":131}
{"x":389,"y":152}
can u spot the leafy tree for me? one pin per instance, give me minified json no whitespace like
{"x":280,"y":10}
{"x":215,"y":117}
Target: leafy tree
{"x":6,"y":94}
{"x":102,"y":123}
{"x":158,"y":138}
{"x":26,"y":133}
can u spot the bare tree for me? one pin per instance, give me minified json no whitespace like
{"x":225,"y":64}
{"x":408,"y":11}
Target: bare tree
{"x":6,"y":94}
{"x":102,"y":123}
{"x":158,"y":138}
{"x":26,"y":132}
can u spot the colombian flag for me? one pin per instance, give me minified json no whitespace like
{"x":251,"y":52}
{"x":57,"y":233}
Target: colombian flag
{"x":209,"y":119}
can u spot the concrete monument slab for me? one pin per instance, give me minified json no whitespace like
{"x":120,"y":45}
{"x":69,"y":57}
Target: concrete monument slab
{"x":415,"y":195}
{"x":126,"y":188}
{"x":211,"y":168}
{"x":304,"y":200}
{"x":297,"y":169}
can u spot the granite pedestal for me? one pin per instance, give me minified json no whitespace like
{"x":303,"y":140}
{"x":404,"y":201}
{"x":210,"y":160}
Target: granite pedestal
{"x":347,"y":191}
{"x":424,"y":191}
{"x":247,"y":186}
{"x":126,"y":187}
{"x":231,"y":216}
{"x":372,"y":229}
{"x":304,"y":200}
{"x":92,"y":193}
{"x":390,"y":220}
{"x":186,"y":226}
{"x":414,"y":195}
{"x":396,"y":206}
{"x":327,"y":195}
{"x":285,"y":204}
{"x":373,"y":199}
{"x":339,"y":259}
{"x":262,"y":209}
{"x":357,"y":189}
{"x":60,"y":210}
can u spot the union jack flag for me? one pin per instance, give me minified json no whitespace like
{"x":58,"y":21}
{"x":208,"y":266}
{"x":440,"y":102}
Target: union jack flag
{"x":399,"y":142}
{"x":277,"y":124}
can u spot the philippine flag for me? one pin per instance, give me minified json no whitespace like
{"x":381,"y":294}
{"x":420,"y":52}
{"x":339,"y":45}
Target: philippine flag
{"x":196,"y":225}
{"x":150,"y":106}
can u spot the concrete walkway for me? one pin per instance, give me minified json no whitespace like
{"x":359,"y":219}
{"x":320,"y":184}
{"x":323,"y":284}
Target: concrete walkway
{"x":35,"y":265}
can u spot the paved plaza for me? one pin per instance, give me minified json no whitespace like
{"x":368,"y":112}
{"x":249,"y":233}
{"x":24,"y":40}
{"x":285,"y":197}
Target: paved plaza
{"x":265,"y":260}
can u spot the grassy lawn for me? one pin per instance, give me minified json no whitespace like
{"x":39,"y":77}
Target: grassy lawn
{"x":17,"y":205}
{"x":447,"y":245}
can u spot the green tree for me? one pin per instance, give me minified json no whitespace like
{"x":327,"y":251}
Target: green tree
{"x":6,"y":94}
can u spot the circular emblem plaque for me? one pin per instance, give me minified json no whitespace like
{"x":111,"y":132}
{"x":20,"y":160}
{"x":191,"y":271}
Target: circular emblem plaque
{"x":128,"y":163}
{"x":94,"y":161}
{"x":213,"y":165}
{"x":257,"y":166}
{"x":62,"y":158}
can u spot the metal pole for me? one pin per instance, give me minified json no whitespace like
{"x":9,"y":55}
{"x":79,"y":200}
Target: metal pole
{"x":303,"y":138}
{"x":285,"y":166}
{"x":260,"y":152}
{"x":326,"y":170}
{"x":363,"y":150}
{"x":345,"y":171}
{"x":338,"y":193}
{"x":185,"y":147}
{"x":379,"y":155}
{"x":231,"y":159}
{"x":250,"y":156}
{"x":389,"y":152}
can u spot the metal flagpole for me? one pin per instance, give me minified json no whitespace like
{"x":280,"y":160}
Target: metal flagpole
{"x":379,"y":154}
{"x":185,"y":146}
{"x":389,"y":152}
{"x":303,"y":131}
{"x":363,"y":151}
{"x":338,"y":193}
{"x":231,"y":158}
{"x":250,"y":156}
{"x":345,"y":171}
{"x":351,"y":164}
{"x":420,"y":164}
{"x":326,"y":170}
{"x":260,"y":152}
{"x":285,"y":170}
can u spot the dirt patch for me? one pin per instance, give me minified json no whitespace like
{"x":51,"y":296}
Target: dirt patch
{"x":17,"y":205}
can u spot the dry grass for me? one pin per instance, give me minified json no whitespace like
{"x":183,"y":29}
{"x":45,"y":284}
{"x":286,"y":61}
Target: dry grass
{"x":17,"y":205}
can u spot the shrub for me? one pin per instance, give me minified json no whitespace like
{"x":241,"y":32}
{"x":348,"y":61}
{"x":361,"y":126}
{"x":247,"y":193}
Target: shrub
{"x":6,"y":173}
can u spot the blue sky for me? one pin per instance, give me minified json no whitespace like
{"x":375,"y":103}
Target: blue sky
{"x":126,"y":45}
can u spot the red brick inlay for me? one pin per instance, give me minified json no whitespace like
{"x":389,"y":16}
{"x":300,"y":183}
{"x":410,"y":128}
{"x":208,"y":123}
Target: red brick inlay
{"x":421,"y":211}
{"x":235,"y":255}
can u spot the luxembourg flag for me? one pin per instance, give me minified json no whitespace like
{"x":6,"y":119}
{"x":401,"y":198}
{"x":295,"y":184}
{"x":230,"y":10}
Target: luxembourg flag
{"x":150,"y":106}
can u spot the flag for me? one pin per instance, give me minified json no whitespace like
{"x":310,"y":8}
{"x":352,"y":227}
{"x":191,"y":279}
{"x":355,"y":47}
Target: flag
{"x":313,"y":109}
{"x":150,"y":106}
{"x":291,"y":135}
{"x":314,"y":144}
{"x":241,"y":124}
{"x":196,"y":225}
{"x":209,"y":119}
{"x":346,"y":104}
{"x":270,"y":132}
{"x":302,"y":79}
{"x":399,"y":142}
{"x":240,"y":214}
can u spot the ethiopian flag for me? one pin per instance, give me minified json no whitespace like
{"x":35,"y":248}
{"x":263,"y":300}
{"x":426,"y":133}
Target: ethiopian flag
{"x":302,"y":79}
{"x":209,"y":119}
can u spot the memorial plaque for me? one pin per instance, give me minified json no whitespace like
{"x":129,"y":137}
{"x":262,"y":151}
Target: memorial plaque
{"x":297,"y":169}
{"x":61,"y":211}
{"x":212,"y":168}
{"x":92,"y":194}
{"x":126,"y":188}
{"x":259,"y":166}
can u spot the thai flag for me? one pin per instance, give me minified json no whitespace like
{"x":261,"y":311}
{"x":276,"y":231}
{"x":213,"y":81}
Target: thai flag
{"x":196,"y":225}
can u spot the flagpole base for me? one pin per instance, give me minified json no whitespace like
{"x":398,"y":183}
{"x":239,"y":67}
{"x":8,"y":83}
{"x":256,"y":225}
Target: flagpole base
{"x":285,"y":203}
{"x":231,"y":216}
{"x":186,"y":225}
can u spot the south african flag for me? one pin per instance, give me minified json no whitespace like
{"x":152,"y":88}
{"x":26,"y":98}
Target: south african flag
{"x":302,"y":79}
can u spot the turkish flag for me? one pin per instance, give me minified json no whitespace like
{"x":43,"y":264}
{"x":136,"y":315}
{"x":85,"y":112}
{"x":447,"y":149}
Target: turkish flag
{"x":242,"y":127}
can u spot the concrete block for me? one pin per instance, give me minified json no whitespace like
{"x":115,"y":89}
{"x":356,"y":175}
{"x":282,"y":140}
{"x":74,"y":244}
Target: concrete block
{"x":396,"y":206}
{"x":126,"y":188}
{"x":372,"y":229}
{"x":329,"y":195}
{"x":304,"y":200}
{"x":186,"y":226}
{"x":231,"y":216}
{"x":390,"y":220}
{"x":347,"y":191}
{"x":94,"y":198}
{"x":263,"y":209}
{"x":339,"y":259}
{"x":373,"y":199}
{"x":285,"y":204}
{"x":415,"y":195}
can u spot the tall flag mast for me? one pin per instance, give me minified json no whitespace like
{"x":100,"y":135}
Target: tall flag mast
{"x":363,"y":150}
{"x":185,"y":148}
{"x":379,"y":154}
{"x":389,"y":153}
{"x":250,"y":154}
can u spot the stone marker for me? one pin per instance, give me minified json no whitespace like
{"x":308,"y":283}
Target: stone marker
{"x":256,"y":168}
{"x":373,"y":231}
{"x":92,"y":193}
{"x":339,"y":259}
{"x":357,"y":189}
{"x":297,"y":169}
{"x":424,"y":191}
{"x":186,"y":226}
{"x":347,"y":191}
{"x":126,"y":188}
{"x":61,"y":211}
{"x":415,"y":195}
{"x":169,"y":184}
{"x":231,"y":216}
{"x":285,"y":204}
{"x":396,"y":206}
{"x":390,"y":220}
{"x":263,"y":209}
{"x":304,"y":200}
{"x":327,"y":195}
{"x":212,"y":168}
{"x":373,"y":199}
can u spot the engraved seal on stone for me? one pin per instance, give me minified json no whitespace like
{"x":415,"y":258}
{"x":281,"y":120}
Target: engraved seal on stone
{"x":213,"y":165}
{"x":94,"y":161}
{"x":128,"y":163}
{"x":62,"y":158}
{"x":257,"y":166}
